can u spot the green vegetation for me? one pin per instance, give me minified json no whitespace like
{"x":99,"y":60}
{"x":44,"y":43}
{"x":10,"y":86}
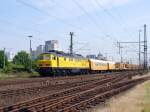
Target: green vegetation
{"x":146,"y":100}
{"x":2,"y":59}
{"x":22,"y":59}
{"x":19,"y":67}
{"x":18,"y":75}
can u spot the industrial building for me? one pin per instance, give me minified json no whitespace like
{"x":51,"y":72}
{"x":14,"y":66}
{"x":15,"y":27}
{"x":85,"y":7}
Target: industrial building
{"x":51,"y":45}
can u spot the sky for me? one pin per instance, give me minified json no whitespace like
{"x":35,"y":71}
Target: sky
{"x":97,"y":25}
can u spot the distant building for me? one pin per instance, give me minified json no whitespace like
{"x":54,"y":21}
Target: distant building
{"x":34,"y":55}
{"x":101,"y":57}
{"x":51,"y":45}
{"x":9,"y":55}
{"x":40,"y":49}
{"x":91,"y":56}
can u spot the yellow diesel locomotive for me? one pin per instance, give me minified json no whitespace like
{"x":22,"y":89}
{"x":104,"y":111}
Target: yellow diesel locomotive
{"x":57,"y":62}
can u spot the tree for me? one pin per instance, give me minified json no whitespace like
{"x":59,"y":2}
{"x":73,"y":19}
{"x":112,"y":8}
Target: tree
{"x":2,"y":59}
{"x":23,"y":59}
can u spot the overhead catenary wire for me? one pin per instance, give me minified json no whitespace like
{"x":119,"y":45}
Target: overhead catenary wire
{"x":91,"y":19}
{"x":106,"y":11}
{"x":18,"y":27}
{"x":55,"y":17}
{"x":111,"y":15}
{"x":86,"y":13}
{"x":41,"y":11}
{"x":62,"y":21}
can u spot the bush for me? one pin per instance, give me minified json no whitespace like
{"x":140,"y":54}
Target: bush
{"x":34,"y":65}
{"x":22,"y":59}
{"x":7,"y":69}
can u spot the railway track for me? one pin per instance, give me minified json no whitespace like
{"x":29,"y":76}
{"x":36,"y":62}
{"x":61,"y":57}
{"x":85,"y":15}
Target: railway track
{"x":14,"y":96}
{"x":51,"y":80}
{"x":81,"y":102}
{"x":48,"y":86}
{"x":19,"y":84}
{"x":44,"y":103}
{"x":83,"y":99}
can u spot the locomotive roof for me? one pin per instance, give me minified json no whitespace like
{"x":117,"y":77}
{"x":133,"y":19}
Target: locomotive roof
{"x":102,"y":61}
{"x":61,"y":53}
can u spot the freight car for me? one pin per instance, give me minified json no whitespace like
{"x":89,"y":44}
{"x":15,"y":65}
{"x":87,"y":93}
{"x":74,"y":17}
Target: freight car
{"x":101,"y":65}
{"x":120,"y":66}
{"x":131,"y":66}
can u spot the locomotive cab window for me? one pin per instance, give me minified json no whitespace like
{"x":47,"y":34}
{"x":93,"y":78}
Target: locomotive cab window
{"x":54,"y":58}
{"x":44,"y":57}
{"x":40,"y":57}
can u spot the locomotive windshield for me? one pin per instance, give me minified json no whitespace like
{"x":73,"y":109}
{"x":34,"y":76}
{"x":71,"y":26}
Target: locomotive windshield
{"x":44,"y":57}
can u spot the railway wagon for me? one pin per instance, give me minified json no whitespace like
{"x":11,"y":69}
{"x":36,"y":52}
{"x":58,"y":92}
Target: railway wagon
{"x":101,"y":65}
{"x":131,"y":66}
{"x":120,"y":66}
{"x":55,"y":62}
{"x":112,"y":66}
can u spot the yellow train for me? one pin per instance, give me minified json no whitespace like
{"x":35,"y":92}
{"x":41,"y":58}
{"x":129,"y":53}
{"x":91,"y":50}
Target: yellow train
{"x":56,"y":62}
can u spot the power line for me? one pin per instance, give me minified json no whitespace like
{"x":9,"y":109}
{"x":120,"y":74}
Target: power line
{"x":46,"y":13}
{"x":79,"y":28}
{"x":60,"y":5}
{"x":103,"y":31}
{"x":86,"y":13}
{"x":18,"y":27}
{"x":58,"y":19}
{"x":92,"y":19}
{"x":106,"y":11}
{"x":110,"y":14}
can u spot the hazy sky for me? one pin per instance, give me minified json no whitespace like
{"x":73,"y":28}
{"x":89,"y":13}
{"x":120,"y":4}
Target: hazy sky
{"x":97,"y":24}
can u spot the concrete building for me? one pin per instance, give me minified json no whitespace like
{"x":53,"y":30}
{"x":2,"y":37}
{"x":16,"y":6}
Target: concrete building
{"x":51,"y":45}
{"x":34,"y":55}
{"x":93,"y":56}
{"x":40,"y":49}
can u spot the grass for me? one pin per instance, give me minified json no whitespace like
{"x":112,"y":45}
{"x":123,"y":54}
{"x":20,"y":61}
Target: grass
{"x":5,"y":76}
{"x":146,"y":99}
{"x":17,"y":75}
